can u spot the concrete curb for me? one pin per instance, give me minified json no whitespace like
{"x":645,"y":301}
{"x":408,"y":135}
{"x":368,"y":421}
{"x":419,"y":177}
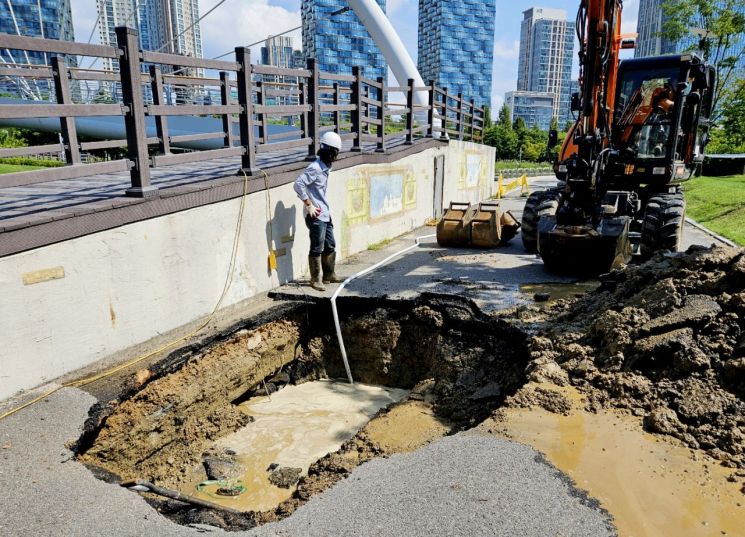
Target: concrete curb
{"x":710,"y":232}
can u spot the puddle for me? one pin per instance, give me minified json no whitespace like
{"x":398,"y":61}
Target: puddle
{"x":558,"y":291}
{"x":650,"y":486}
{"x":293,"y":428}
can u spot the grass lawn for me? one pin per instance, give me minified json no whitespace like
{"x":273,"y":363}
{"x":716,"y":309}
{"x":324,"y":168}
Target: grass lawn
{"x":719,"y":204}
{"x":10,"y":168}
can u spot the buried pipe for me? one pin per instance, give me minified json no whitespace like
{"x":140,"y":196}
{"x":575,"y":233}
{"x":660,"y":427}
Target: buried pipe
{"x":335,"y":312}
{"x":141,"y":485}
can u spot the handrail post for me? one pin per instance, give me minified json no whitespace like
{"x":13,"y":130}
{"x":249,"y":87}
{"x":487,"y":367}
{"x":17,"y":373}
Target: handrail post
{"x":410,"y":113}
{"x":227,"y":120}
{"x":444,"y":133}
{"x":134,"y":118}
{"x":303,"y":100}
{"x":460,"y":116}
{"x":245,"y":100}
{"x":356,"y":100}
{"x":314,"y":117}
{"x":431,"y":110}
{"x":67,"y":124}
{"x":473,"y":119}
{"x":337,"y":113}
{"x":161,"y":122}
{"x":263,"y":117}
{"x":381,"y":116}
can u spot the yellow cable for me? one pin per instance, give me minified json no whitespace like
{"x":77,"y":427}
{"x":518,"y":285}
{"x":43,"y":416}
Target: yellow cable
{"x":228,"y":281}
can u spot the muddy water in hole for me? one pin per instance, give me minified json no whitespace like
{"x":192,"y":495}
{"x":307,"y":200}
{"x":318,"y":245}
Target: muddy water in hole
{"x":558,"y":291}
{"x":293,"y":428}
{"x":651,"y":487}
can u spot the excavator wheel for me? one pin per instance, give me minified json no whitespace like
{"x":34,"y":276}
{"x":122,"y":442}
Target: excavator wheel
{"x":662,"y":228}
{"x":539,"y":203}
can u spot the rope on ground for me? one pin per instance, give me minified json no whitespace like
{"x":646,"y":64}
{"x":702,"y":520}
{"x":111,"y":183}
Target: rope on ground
{"x":208,"y":319}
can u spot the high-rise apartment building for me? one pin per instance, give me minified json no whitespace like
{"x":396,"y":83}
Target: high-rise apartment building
{"x":545,"y":62}
{"x":456,"y":45}
{"x":50,"y":19}
{"x":340,"y":42}
{"x":163,"y":25}
{"x":278,"y":51}
{"x":648,"y":27}
{"x":536,"y":108}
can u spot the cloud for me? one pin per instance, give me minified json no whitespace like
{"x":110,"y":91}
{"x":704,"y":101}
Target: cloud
{"x":506,"y":50}
{"x":245,"y":21}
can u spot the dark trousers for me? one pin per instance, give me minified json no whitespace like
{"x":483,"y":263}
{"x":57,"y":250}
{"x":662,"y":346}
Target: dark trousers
{"x":321,"y":236}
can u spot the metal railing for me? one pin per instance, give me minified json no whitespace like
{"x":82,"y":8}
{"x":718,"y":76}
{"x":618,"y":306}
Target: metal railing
{"x":361,"y":110}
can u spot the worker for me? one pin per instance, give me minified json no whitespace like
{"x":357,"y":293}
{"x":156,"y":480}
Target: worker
{"x":311,"y":187}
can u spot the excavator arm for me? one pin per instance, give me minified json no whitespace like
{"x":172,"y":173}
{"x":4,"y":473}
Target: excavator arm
{"x":638,"y":133}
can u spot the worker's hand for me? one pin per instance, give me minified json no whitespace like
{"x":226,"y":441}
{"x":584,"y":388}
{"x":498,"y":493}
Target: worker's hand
{"x":313,"y":211}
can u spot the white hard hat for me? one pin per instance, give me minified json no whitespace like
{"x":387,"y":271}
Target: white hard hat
{"x":331,"y":139}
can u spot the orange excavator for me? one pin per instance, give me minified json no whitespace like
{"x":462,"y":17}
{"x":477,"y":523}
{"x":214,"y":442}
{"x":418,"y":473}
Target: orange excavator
{"x":641,"y":129}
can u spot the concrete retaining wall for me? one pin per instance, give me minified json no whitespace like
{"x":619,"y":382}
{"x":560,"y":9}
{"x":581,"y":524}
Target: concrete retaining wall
{"x":70,"y":304}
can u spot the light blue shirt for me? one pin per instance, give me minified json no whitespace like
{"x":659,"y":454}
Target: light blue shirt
{"x":312,"y":184}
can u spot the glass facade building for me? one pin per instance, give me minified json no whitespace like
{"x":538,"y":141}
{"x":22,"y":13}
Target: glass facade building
{"x":650,"y":43}
{"x":536,"y":108}
{"x":648,"y":26}
{"x":456,"y":46}
{"x":50,"y":19}
{"x":340,"y":42}
{"x":546,"y":52}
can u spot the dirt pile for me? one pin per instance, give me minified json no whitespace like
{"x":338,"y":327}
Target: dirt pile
{"x":664,"y":340}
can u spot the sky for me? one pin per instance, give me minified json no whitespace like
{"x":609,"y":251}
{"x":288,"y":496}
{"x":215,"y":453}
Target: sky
{"x":238,"y":22}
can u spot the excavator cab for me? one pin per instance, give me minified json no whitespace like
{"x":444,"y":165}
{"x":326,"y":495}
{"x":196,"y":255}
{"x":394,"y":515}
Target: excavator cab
{"x":660,"y":122}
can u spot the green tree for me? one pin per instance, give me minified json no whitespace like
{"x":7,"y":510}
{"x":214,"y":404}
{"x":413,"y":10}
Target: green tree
{"x":719,"y":26}
{"x":503,"y":139}
{"x":504,"y":117}
{"x":487,"y":116}
{"x":554,"y":124}
{"x":10,"y":137}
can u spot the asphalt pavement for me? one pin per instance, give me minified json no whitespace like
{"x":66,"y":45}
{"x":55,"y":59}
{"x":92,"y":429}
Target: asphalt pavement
{"x":466,"y":485}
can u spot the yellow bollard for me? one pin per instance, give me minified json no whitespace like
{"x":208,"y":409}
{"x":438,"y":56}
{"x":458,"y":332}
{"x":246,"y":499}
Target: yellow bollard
{"x":524,"y":189}
{"x":500,"y":187}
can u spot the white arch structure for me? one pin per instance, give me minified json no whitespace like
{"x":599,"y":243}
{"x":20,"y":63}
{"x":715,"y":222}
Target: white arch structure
{"x":390,"y":44}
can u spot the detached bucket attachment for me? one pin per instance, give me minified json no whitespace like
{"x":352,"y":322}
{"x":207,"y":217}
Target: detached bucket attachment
{"x":486,"y":228}
{"x":453,"y":229}
{"x":510,"y":226}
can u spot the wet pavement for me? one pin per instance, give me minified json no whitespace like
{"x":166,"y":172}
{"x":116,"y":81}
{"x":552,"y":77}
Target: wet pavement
{"x":494,"y":279}
{"x":462,"y":485}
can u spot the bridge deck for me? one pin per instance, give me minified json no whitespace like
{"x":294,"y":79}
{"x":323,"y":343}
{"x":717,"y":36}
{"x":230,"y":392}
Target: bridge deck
{"x":44,"y":213}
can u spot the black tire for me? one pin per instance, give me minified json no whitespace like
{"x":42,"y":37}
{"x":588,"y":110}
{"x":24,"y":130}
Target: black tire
{"x":662,"y":228}
{"x":540,"y":203}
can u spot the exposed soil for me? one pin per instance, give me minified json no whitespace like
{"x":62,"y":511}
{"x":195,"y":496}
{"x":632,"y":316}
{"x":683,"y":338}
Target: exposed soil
{"x":458,"y":363}
{"x":665,"y":341}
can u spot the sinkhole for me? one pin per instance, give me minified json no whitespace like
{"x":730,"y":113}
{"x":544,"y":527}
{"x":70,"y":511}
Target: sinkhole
{"x":256,"y":420}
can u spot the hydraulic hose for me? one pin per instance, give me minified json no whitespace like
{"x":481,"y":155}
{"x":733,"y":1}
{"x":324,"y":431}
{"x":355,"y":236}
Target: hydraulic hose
{"x":417,"y":242}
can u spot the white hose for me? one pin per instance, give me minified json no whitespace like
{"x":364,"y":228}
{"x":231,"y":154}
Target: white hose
{"x":417,"y":241}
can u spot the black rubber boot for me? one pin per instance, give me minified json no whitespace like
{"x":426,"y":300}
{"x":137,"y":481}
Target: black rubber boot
{"x":328,"y":262}
{"x":315,"y":273}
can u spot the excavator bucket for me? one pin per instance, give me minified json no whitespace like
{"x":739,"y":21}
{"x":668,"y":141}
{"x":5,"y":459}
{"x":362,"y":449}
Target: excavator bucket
{"x":486,"y":231}
{"x":491,"y":227}
{"x":509,"y":225}
{"x":454,"y":228}
{"x":584,"y":250}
